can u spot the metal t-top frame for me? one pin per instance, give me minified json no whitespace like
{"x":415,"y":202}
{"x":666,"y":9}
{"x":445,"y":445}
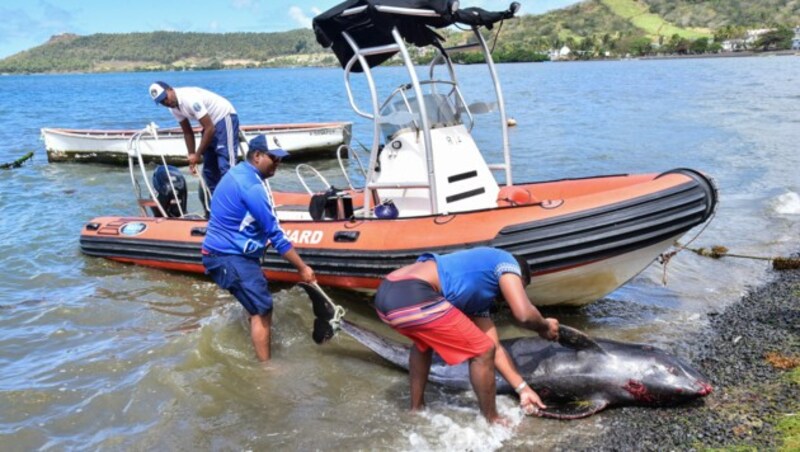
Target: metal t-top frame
{"x":359,"y":56}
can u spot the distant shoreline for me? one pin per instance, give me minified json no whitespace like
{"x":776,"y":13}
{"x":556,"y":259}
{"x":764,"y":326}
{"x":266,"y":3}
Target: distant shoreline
{"x":741,"y":54}
{"x":746,"y":53}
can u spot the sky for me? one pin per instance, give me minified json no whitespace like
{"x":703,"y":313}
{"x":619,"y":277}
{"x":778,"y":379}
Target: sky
{"x":29,"y":23}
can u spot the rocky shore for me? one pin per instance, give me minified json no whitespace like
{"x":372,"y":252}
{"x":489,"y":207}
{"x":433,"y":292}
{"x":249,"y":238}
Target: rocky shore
{"x":753,"y":360}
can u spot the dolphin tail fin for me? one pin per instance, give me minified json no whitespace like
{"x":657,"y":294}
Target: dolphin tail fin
{"x":329,"y":320}
{"x":573,"y":410}
{"x":576,"y":339}
{"x":327,"y":314}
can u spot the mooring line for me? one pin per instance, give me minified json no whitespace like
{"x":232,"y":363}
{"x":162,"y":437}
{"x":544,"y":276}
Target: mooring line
{"x":719,"y":251}
{"x":18,"y":162}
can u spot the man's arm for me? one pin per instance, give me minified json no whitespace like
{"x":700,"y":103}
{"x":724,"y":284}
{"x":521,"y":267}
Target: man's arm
{"x":528,"y":398}
{"x":208,"y":133}
{"x":502,"y":361}
{"x":306,"y":273}
{"x":524,"y":312}
{"x":258,"y":205}
{"x":188,"y":138}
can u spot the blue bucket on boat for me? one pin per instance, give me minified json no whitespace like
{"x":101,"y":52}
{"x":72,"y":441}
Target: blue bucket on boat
{"x":387,"y":210}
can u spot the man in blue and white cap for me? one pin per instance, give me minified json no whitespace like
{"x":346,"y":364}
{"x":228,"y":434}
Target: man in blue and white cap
{"x":217,"y":117}
{"x":242,"y":223}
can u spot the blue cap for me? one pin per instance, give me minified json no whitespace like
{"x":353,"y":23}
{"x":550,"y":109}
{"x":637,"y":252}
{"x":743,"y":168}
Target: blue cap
{"x":261,"y":144}
{"x":158,"y":91}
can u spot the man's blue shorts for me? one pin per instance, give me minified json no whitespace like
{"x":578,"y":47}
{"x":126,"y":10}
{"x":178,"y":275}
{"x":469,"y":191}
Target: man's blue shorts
{"x":243,"y":278}
{"x":220,"y":155}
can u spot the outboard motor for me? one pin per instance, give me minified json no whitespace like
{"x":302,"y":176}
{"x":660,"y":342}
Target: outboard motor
{"x":165,"y":178}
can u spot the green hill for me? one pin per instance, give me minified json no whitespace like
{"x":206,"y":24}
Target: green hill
{"x":601,"y":28}
{"x":654,"y":25}
{"x":162,"y":50}
{"x":592,"y":28}
{"x":657,"y":20}
{"x":716,"y":14}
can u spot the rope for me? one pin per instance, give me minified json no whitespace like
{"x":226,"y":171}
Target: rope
{"x":664,"y":258}
{"x":18,"y":162}
{"x":338,"y":311}
{"x":338,"y":314}
{"x":719,"y":251}
{"x":496,"y":35}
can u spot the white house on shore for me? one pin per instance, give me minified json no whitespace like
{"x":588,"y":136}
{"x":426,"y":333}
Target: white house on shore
{"x":750,"y":38}
{"x":559,"y":54}
{"x":796,"y":39}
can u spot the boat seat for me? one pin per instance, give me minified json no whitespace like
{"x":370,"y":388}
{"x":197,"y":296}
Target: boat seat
{"x":515,"y":196}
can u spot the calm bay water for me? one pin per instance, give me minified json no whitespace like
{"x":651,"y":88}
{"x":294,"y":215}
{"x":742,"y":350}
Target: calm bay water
{"x":95,"y":354}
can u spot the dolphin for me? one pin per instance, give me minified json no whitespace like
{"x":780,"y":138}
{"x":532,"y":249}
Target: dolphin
{"x":576,"y":377}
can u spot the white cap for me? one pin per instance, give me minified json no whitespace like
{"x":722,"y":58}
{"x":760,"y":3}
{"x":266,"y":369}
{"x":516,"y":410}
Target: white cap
{"x":158,"y":91}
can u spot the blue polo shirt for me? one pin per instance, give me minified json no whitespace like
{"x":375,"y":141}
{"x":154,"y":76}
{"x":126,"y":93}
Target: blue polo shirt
{"x":470,"y":278}
{"x":242,"y":221}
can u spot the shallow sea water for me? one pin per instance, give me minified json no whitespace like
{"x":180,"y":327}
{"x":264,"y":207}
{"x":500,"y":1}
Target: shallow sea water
{"x":96,"y":354}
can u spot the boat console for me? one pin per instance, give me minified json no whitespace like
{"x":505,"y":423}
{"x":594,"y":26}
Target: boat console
{"x":423,"y":157}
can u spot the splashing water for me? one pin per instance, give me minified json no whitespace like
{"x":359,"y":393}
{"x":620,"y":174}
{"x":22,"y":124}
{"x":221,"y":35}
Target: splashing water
{"x":454,"y":431}
{"x":787,"y":204}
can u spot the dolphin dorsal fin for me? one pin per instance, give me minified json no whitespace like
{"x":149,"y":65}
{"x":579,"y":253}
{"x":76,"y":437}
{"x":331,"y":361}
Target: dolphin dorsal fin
{"x":576,"y":339}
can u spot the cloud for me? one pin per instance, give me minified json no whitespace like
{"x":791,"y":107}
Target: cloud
{"x":55,"y":16}
{"x":32,"y":26}
{"x":300,"y":17}
{"x":16,"y":24}
{"x":179,"y":25}
{"x":50,"y":20}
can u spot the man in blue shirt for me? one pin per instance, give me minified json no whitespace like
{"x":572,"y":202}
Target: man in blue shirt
{"x":242,"y":223}
{"x":441,"y":302}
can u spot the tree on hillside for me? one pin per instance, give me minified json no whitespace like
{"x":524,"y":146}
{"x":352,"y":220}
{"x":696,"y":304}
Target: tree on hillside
{"x":778,"y":39}
{"x":699,"y":46}
{"x":633,"y":45}
{"x":678,"y":45}
{"x":730,"y":32}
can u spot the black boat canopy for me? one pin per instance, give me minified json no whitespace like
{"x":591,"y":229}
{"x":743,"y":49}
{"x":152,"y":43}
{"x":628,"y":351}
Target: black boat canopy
{"x":371,"y":27}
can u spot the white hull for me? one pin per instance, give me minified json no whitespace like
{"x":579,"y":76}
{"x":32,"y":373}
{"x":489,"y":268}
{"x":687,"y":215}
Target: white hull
{"x":582,"y":285}
{"x":111,"y":146}
{"x":585,"y":284}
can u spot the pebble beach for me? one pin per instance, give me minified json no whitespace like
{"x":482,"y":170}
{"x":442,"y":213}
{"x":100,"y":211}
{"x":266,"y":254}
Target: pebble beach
{"x":752,"y":357}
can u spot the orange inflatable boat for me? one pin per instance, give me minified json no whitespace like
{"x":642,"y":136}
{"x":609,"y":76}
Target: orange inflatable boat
{"x":427,"y":188}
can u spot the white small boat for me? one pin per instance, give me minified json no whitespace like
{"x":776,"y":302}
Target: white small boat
{"x":111,"y":146}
